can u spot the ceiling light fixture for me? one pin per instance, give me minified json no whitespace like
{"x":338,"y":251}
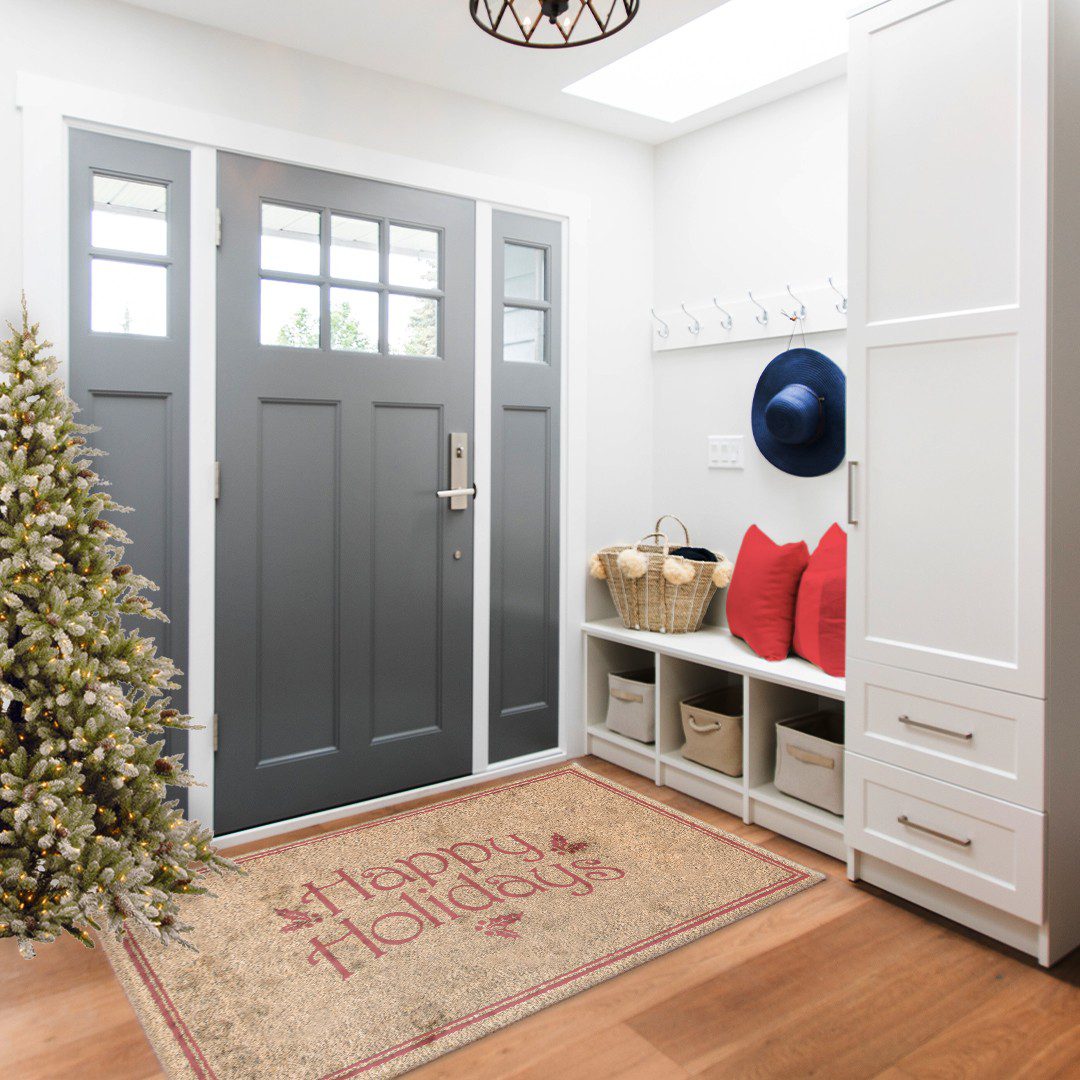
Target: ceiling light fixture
{"x":552,"y":24}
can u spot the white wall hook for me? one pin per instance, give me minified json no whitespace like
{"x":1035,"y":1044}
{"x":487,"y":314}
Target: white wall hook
{"x":800,"y":311}
{"x":842,"y":306}
{"x":694,"y":326}
{"x":763,"y":318}
{"x":727,"y":322}
{"x":664,"y":330}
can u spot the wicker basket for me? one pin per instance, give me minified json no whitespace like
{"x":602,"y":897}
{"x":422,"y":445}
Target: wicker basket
{"x":650,"y":601}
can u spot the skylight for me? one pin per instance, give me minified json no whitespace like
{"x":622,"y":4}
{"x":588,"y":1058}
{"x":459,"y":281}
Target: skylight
{"x":742,"y":46}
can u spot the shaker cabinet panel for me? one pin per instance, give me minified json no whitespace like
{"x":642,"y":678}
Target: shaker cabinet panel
{"x":942,"y":190}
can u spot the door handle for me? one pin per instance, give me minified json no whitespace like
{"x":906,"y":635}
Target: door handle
{"x":455,"y":493}
{"x":851,"y":518}
{"x":460,"y":489}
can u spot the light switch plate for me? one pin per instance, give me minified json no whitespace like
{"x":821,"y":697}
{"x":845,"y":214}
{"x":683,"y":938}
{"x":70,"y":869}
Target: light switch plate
{"x":725,"y":451}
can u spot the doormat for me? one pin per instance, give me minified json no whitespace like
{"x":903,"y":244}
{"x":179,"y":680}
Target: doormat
{"x":368,"y":951}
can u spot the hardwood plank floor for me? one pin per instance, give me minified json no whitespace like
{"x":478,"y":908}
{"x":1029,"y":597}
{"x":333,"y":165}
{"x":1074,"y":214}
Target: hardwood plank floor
{"x":838,"y":982}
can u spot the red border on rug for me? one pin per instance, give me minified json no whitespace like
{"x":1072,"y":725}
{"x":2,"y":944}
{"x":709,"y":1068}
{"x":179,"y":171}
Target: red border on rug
{"x":201,"y":1066}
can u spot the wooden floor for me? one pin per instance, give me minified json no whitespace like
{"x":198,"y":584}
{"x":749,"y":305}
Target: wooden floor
{"x":836,"y":982}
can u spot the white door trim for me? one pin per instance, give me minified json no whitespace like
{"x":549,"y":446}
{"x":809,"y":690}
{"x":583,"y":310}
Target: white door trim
{"x":49,"y":106}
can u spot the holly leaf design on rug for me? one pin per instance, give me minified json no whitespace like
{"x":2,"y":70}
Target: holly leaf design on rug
{"x":561,"y":845}
{"x":500,"y":925}
{"x":297,"y":920}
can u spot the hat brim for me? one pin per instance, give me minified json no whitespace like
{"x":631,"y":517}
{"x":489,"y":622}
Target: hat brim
{"x":824,"y":378}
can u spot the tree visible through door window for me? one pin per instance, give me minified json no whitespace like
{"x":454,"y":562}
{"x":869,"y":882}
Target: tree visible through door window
{"x":375,"y":283}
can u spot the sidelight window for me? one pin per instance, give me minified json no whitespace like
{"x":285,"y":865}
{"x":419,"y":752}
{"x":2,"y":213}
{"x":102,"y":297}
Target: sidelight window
{"x":526,"y":304}
{"x":129,"y":256}
{"x":349,"y":283}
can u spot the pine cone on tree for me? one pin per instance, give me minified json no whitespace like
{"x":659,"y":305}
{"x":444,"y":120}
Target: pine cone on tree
{"x":87,"y":837}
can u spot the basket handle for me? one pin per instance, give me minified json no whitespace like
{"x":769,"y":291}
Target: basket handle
{"x":658,"y":536}
{"x":808,"y":757}
{"x":702,"y":729}
{"x":672,"y":517}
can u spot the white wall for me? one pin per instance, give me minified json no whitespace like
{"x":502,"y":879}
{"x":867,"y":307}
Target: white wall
{"x":111,"y":45}
{"x":754,"y":202}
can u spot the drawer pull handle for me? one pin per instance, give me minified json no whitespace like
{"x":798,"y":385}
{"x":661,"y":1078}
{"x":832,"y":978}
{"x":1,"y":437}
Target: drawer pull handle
{"x":625,"y":695}
{"x":965,"y":735}
{"x":905,"y":820}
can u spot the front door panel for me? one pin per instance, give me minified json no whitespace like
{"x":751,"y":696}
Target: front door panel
{"x":344,"y":606}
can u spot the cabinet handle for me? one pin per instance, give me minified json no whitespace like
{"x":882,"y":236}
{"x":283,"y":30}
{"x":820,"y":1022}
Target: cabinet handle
{"x":851,"y":518}
{"x":905,"y":820}
{"x":936,"y":730}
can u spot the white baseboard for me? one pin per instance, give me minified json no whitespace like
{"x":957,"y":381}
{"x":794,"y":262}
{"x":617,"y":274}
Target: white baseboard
{"x":493,"y":772}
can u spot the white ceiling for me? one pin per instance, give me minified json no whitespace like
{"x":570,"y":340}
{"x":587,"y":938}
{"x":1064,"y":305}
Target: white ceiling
{"x":436,"y":42}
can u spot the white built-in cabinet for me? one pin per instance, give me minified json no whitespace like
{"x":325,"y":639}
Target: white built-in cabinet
{"x":963,"y":702}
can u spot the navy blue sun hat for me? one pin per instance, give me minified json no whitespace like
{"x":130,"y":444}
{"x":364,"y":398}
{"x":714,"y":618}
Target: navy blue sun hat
{"x":798,"y":416}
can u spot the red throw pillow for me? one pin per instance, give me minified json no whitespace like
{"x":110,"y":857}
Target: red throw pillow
{"x":761,"y":596}
{"x":821,"y":607}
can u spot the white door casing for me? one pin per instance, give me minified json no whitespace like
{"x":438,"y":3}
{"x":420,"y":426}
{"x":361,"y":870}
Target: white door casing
{"x":50,"y":106}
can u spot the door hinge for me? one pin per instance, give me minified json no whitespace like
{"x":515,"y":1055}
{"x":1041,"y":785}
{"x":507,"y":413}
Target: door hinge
{"x":217,"y":226}
{"x":217,"y":480}
{"x":215,"y":732}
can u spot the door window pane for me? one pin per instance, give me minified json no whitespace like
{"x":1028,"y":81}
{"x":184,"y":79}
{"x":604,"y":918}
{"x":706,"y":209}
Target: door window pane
{"x":289,"y":314}
{"x":129,"y":215}
{"x":354,"y":248}
{"x":414,"y":326}
{"x":523,"y":272}
{"x":523,"y":336}
{"x":354,"y":320}
{"x":414,"y":257}
{"x":128,"y":298}
{"x":290,"y":239}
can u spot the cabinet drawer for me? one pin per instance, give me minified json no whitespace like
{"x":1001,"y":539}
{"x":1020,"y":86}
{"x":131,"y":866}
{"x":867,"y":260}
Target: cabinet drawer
{"x":984,"y":848}
{"x":986,"y":740}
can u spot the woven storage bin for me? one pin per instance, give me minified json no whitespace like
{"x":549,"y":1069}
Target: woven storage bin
{"x":810,"y":759}
{"x":651,"y":601}
{"x":631,"y":707}
{"x":713,"y":729}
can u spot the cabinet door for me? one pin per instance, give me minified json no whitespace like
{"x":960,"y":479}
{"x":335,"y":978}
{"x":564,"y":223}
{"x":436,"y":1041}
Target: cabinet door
{"x":947,"y":391}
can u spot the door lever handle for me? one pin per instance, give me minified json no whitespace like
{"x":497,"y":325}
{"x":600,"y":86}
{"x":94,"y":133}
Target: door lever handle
{"x":453,"y":493}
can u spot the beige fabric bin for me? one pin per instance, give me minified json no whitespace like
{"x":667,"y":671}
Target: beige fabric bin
{"x":713,"y":729}
{"x":632,"y":704}
{"x":810,"y":759}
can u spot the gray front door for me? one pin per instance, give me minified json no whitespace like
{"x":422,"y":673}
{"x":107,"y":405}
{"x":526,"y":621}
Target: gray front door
{"x":344,"y":584}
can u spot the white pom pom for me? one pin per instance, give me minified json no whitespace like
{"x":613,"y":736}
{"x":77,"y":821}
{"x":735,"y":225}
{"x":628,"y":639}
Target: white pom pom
{"x":633,"y":563}
{"x":722,"y":574}
{"x":678,"y":571}
{"x":596,"y":568}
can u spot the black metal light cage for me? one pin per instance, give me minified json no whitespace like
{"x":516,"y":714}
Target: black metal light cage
{"x":514,"y":21}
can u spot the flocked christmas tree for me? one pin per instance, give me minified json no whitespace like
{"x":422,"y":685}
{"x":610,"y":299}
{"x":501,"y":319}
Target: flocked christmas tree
{"x":88,"y":836}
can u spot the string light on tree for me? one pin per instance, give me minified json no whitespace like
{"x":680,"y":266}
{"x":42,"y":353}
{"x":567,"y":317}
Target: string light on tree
{"x":83,"y":816}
